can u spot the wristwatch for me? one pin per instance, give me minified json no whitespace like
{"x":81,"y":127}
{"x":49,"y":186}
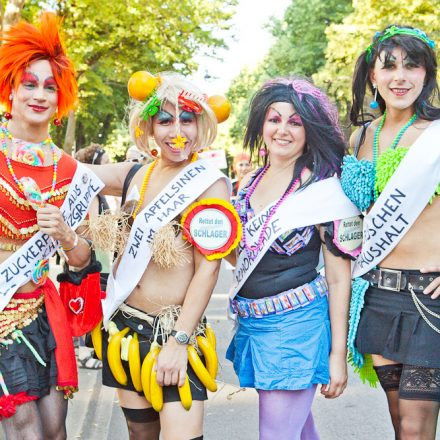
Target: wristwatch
{"x":180,"y":336}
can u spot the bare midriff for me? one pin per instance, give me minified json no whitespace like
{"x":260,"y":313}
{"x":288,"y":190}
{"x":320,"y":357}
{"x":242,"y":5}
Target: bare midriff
{"x":420,"y":246}
{"x":160,"y":287}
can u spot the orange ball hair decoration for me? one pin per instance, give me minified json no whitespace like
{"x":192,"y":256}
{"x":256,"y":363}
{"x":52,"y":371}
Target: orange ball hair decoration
{"x":25,"y":43}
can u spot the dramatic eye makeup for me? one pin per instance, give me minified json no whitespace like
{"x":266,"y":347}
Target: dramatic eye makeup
{"x":50,"y":84}
{"x":273,"y":115}
{"x":187,"y":117}
{"x":295,"y":119}
{"x":164,"y":117}
{"x":29,"y":78}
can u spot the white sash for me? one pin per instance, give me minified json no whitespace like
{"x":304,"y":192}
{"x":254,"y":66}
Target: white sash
{"x":192,"y":181}
{"x":320,"y":202}
{"x":17,"y":269}
{"x":403,"y":199}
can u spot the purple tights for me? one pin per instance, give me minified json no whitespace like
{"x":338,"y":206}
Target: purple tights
{"x":287,"y":415}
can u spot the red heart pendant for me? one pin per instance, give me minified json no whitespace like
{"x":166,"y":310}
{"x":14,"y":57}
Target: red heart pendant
{"x":76,"y":305}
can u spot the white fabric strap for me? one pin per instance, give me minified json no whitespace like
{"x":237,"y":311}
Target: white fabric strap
{"x":320,"y":202}
{"x":17,"y":269}
{"x":184,"y":189}
{"x":401,"y":202}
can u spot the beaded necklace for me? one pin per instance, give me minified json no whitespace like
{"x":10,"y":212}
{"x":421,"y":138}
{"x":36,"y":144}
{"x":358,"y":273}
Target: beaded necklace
{"x":145,"y":183}
{"x":393,"y":145}
{"x":45,"y":196}
{"x":272,"y":211}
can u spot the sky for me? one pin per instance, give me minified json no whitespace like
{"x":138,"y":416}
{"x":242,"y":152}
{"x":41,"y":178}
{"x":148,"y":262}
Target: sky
{"x":250,"y":43}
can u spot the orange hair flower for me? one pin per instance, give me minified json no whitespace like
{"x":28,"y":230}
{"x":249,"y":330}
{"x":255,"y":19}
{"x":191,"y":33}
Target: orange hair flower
{"x":23,"y":44}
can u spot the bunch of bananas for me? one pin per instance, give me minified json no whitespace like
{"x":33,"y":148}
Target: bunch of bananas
{"x":144,"y":376}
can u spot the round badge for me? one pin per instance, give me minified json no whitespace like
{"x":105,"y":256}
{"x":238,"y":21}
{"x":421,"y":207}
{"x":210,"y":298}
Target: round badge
{"x":213,"y":227}
{"x":348,"y":235}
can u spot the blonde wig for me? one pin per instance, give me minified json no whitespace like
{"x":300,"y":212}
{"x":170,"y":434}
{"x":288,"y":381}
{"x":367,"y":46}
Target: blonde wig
{"x":170,"y":87}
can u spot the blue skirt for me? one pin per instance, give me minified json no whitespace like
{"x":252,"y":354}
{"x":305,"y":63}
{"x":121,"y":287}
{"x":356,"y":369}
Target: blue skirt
{"x":283,"y":352}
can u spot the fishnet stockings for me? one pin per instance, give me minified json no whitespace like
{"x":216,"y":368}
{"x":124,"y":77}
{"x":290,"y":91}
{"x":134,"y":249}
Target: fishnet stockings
{"x":41,"y":419}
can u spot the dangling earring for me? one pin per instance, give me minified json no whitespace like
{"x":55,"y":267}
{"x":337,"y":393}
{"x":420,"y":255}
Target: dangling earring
{"x":154,"y":152}
{"x":262,"y":152}
{"x":57,"y":122}
{"x":7,"y":116}
{"x":374,"y":104}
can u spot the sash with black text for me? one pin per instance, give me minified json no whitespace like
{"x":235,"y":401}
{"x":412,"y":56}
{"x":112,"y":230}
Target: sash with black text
{"x":184,"y":189}
{"x":320,"y":202}
{"x":405,"y":196}
{"x":17,"y":269}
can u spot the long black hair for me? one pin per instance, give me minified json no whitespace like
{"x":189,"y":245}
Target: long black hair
{"x":416,"y":50}
{"x":325,"y":143}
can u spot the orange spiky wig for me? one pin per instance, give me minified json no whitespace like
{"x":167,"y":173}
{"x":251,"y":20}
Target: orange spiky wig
{"x":23,"y":44}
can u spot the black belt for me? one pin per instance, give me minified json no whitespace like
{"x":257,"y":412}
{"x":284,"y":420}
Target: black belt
{"x":398,"y":280}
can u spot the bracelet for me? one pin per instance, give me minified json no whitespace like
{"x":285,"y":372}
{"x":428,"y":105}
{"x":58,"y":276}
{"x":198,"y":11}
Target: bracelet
{"x":75,"y":244}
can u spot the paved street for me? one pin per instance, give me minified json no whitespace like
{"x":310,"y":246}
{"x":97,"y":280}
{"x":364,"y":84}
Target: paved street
{"x":232,"y":413}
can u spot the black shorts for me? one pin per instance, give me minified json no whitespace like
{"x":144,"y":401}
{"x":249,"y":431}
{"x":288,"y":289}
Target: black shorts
{"x":20,"y":368}
{"x":145,"y":334}
{"x":390,"y":325}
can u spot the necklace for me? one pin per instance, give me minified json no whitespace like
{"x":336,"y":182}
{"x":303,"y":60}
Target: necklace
{"x":272,"y":211}
{"x":394,"y":143}
{"x":44,"y":196}
{"x":145,"y":184}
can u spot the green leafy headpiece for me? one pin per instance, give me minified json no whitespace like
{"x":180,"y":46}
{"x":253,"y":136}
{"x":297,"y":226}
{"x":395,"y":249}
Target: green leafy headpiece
{"x":391,"y":32}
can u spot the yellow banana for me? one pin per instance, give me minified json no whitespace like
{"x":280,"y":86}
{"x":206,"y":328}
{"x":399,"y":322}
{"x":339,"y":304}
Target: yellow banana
{"x":200,"y":370}
{"x":155,"y":391}
{"x":134,"y":362}
{"x":185,"y":394}
{"x":209,"y":354}
{"x":147,"y":365}
{"x":114,"y":357}
{"x":125,"y":344}
{"x":97,"y":340}
{"x":210,"y":336}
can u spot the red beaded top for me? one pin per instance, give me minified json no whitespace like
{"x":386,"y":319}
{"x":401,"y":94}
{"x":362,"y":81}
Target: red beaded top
{"x":18,"y":220}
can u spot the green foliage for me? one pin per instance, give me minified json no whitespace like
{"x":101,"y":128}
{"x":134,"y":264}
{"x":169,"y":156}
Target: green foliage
{"x":348,"y":39}
{"x":110,"y":40}
{"x":118,"y":143}
{"x":240,"y":93}
{"x":300,"y":36}
{"x":299,"y":46}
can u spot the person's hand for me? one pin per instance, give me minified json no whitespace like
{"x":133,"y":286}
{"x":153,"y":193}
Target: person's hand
{"x":434,"y":286}
{"x":51,"y":222}
{"x":171,"y":364}
{"x":338,"y":376}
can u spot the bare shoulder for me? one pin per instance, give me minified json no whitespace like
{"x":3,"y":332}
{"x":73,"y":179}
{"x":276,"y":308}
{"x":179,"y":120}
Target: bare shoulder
{"x":218,"y":189}
{"x":113,"y":176}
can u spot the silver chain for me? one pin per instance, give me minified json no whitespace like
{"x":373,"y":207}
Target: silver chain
{"x":419,"y":305}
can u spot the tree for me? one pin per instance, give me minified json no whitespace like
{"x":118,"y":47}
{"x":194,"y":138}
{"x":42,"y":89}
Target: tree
{"x":110,"y":40}
{"x":300,"y":42}
{"x":300,"y":36}
{"x":10,"y":12}
{"x":348,"y":39}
